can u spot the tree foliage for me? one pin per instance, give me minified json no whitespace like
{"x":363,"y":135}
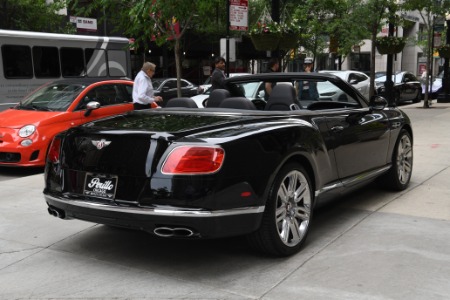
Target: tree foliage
{"x":371,"y":14}
{"x":34,"y":15}
{"x":429,"y":11}
{"x":164,"y":21}
{"x":348,"y":22}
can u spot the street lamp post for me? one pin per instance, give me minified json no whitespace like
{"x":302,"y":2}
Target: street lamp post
{"x":389,"y":84}
{"x":445,"y":95}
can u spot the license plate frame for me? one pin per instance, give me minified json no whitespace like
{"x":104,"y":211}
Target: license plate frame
{"x":100,"y":186}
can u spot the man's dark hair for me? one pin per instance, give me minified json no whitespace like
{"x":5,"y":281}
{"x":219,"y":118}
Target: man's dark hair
{"x":272,"y":62}
{"x":219,"y":59}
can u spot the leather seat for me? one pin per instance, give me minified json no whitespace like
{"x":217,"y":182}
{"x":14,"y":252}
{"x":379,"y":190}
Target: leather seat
{"x":217,"y":96}
{"x":181,"y":102}
{"x":237,"y":103}
{"x":283,"y":97}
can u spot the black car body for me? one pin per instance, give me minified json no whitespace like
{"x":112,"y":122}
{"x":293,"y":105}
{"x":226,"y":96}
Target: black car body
{"x":407,"y":87}
{"x":231,"y":170}
{"x":167,"y":88}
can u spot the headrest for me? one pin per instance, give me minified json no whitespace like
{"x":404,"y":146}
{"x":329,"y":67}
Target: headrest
{"x":282,"y":97}
{"x":182,"y":102}
{"x":237,"y":103}
{"x":216,"y":97}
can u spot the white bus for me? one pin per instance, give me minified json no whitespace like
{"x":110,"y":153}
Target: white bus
{"x":30,"y":59}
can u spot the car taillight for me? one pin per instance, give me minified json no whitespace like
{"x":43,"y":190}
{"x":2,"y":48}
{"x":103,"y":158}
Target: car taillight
{"x":53,"y":151}
{"x":194,"y":160}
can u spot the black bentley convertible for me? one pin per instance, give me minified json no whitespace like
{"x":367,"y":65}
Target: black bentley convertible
{"x":239,"y":166}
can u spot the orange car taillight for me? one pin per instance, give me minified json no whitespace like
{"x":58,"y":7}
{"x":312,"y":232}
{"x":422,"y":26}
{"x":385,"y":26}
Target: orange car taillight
{"x":53,"y":151}
{"x":194,"y":160}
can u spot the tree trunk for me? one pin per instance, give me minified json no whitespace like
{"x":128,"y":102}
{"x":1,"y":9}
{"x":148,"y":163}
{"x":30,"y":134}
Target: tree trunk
{"x":426,"y":100}
{"x":372,"y":65}
{"x":178,"y":66}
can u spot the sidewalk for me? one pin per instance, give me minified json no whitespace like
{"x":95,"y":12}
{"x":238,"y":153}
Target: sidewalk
{"x":371,"y":245}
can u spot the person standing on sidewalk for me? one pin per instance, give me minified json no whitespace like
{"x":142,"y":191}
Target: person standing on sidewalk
{"x":272,"y":67}
{"x":218,"y":75}
{"x":143,"y":93}
{"x":307,"y":90}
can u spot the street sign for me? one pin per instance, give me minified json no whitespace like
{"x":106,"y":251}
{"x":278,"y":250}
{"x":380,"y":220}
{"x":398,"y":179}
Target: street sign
{"x":84,"y":24}
{"x":239,"y":15}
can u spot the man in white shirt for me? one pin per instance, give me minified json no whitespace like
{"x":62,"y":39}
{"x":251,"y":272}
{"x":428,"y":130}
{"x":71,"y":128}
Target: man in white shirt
{"x":143,"y":93}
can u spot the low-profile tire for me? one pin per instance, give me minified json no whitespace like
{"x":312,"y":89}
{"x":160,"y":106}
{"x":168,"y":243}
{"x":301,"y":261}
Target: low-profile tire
{"x":398,"y":177}
{"x":287,"y":216}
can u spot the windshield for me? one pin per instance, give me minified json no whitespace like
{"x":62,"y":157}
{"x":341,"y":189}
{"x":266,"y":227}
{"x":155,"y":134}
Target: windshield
{"x":395,"y":78}
{"x":207,"y":81}
{"x":338,"y":74}
{"x":53,"y":97}
{"x":156,"y":83}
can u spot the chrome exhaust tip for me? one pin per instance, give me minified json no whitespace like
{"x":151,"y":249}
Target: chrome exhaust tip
{"x":56,"y":212}
{"x":175,"y":232}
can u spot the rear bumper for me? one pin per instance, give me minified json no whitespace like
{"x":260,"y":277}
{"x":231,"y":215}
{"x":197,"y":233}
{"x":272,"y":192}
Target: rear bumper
{"x":204,"y":224}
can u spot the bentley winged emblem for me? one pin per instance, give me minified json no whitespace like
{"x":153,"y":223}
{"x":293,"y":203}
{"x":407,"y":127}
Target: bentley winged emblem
{"x":101,"y":144}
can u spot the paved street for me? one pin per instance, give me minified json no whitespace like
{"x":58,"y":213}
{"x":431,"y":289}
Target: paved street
{"x":370,"y":245}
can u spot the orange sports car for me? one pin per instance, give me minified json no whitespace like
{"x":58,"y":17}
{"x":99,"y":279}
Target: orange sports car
{"x":27,"y":129}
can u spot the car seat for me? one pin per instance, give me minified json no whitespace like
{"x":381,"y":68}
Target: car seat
{"x":181,"y":102}
{"x":283,"y":97}
{"x":217,"y":96}
{"x":237,"y":103}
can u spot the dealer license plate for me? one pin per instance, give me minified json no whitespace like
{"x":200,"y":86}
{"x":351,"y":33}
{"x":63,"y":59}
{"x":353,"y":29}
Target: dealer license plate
{"x":100,"y":186}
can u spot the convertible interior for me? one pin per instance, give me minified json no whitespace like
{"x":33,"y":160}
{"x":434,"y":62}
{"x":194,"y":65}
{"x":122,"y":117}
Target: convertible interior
{"x":285,"y":96}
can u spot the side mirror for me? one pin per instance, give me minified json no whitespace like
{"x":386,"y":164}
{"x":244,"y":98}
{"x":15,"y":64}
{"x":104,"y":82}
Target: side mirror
{"x":353,"y":81}
{"x":378,"y":102}
{"x":90,"y":107}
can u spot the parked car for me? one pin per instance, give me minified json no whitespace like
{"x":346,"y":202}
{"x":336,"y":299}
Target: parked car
{"x":379,"y":74}
{"x":201,"y":99}
{"x":167,"y":88}
{"x":232,"y":170}
{"x":359,"y":80}
{"x":406,"y":87}
{"x":27,"y":129}
{"x":207,"y":84}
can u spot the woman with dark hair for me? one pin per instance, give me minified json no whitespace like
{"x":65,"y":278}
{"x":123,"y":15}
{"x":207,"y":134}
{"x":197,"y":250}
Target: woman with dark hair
{"x":272,"y":66}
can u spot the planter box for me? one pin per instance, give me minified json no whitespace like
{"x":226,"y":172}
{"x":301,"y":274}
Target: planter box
{"x":266,"y":41}
{"x":390,"y":49}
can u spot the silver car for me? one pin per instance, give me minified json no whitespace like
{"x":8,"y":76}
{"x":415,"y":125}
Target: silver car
{"x":358,"y":80}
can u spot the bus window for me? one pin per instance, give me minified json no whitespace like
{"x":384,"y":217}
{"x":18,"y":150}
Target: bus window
{"x":17,"y":61}
{"x":72,"y":62}
{"x":117,"y":60}
{"x":95,"y":62}
{"x":46,"y":62}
